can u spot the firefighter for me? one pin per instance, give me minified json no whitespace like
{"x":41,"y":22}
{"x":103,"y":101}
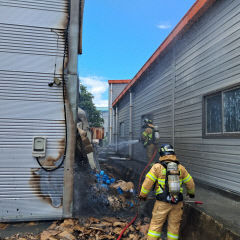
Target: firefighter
{"x":167,"y":177}
{"x":149,"y":137}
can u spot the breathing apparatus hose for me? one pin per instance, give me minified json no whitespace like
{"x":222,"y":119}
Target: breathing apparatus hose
{"x":138,"y":192}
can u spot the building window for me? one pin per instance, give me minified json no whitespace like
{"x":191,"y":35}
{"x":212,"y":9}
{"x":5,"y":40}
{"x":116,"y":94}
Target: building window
{"x":122,"y":129}
{"x":222,"y":113}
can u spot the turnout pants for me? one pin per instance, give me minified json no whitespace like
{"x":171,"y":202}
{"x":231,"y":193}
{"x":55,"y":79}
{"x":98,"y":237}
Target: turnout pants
{"x":150,"y":150}
{"x":163,"y":211}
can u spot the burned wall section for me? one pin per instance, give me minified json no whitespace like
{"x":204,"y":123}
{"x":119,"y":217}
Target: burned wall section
{"x":74,"y":48}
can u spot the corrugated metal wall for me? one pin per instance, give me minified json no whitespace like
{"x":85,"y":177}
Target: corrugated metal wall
{"x":117,"y":88}
{"x":123,"y":118}
{"x":206,"y":58}
{"x":155,"y":98}
{"x":32,"y":49}
{"x":152,"y":95}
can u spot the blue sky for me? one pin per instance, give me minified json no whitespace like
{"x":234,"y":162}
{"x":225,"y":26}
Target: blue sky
{"x":120,"y":35}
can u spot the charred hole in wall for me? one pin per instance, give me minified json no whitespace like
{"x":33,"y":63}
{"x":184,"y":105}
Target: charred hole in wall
{"x":48,"y":186}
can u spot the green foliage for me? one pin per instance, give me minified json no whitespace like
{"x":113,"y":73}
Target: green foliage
{"x":86,"y":103}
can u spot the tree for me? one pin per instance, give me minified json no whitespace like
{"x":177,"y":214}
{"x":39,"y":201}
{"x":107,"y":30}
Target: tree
{"x":86,"y":103}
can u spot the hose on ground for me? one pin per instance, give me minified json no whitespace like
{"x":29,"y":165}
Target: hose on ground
{"x":138,"y":192}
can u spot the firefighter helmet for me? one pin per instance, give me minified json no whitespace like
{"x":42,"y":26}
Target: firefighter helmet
{"x":166,"y":149}
{"x":147,"y":121}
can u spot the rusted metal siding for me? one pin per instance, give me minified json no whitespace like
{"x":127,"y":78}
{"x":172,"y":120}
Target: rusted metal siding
{"x":204,"y":59}
{"x":32,"y":47}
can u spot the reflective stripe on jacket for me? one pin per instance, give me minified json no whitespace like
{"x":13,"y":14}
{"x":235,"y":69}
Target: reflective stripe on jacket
{"x":147,"y":136}
{"x":158,"y":174}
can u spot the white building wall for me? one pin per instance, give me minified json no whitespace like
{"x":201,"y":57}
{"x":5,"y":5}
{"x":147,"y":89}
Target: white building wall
{"x":32,"y":47}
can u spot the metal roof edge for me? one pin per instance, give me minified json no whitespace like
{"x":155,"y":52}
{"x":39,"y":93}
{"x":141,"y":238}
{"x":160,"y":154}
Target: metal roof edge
{"x":196,"y":11}
{"x":119,"y":81}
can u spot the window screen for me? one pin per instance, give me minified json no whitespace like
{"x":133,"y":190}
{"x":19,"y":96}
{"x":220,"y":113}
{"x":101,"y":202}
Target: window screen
{"x":214,"y":114}
{"x":232,"y":110}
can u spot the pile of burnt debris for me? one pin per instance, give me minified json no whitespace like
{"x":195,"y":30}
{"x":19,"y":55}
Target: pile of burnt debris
{"x":117,"y":194}
{"x":90,"y":228}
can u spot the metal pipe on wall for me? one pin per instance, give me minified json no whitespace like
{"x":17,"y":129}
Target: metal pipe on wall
{"x":110,"y":114}
{"x":130,"y":123}
{"x":116,"y":127}
{"x":71,"y":107}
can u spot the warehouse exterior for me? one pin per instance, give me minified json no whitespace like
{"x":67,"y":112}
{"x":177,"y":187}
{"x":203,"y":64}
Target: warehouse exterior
{"x":40,"y":42}
{"x":115,"y":88}
{"x":190,"y":88}
{"x":104,"y":115}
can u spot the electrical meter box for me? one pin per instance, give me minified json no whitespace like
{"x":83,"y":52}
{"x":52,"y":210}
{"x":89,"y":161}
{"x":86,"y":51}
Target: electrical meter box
{"x":39,"y":146}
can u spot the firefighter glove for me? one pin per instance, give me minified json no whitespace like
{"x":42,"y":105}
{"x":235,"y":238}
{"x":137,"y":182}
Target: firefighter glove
{"x":191,"y":195}
{"x":141,"y":198}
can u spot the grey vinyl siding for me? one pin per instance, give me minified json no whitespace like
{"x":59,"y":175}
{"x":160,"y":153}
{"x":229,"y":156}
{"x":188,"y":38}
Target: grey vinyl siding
{"x":153,"y":95}
{"x":117,"y":89}
{"x":205,"y":59}
{"x":123,"y":113}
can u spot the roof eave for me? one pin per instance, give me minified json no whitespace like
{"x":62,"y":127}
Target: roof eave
{"x":196,"y":11}
{"x":119,"y":81}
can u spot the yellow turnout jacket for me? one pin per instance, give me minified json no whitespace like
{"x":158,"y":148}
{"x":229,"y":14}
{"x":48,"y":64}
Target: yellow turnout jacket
{"x":157,"y":174}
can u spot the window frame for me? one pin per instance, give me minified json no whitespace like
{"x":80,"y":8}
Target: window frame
{"x":222,"y":134}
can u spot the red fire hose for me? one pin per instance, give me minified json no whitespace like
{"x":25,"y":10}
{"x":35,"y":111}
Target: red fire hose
{"x":196,"y":202}
{"x":139,"y":188}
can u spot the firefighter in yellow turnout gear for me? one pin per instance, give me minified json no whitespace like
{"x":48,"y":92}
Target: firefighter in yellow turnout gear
{"x":168,"y":176}
{"x":149,"y":137}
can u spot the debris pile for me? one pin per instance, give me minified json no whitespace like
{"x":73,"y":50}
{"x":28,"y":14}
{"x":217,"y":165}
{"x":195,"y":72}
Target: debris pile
{"x":117,"y":194}
{"x":91,"y":228}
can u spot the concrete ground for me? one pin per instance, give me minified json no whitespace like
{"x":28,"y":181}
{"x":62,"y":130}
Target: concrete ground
{"x":216,"y":219}
{"x":221,"y":210}
{"x":222,"y":206}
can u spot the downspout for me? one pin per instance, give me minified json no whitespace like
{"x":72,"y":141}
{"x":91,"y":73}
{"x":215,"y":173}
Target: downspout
{"x":130,"y":123}
{"x":116,"y":127}
{"x":71,"y":105}
{"x":111,"y":115}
